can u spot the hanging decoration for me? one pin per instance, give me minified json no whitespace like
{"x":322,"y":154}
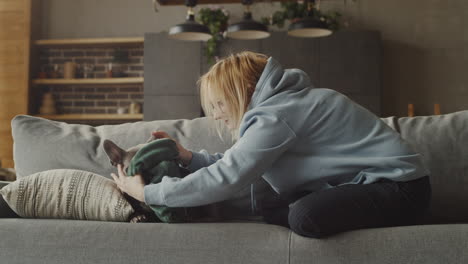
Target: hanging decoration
{"x":216,"y":19}
{"x":297,"y":10}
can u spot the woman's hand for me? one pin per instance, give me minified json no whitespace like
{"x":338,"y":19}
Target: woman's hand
{"x":184,"y":155}
{"x":132,"y":185}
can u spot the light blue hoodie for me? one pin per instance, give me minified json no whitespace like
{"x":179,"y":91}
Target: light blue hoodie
{"x":298,"y":138}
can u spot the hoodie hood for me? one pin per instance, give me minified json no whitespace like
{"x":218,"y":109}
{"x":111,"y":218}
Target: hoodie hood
{"x":275,"y":79}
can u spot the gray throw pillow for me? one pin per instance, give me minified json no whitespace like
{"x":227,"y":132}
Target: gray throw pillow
{"x":67,"y":194}
{"x":41,"y":144}
{"x":442,"y":141}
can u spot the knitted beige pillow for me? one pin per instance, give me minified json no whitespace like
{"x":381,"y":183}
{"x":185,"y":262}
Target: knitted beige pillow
{"x":67,"y":194}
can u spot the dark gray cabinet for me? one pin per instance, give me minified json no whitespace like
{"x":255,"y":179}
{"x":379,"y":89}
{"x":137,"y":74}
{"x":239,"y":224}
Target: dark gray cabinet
{"x":171,"y":71}
{"x":347,"y":61}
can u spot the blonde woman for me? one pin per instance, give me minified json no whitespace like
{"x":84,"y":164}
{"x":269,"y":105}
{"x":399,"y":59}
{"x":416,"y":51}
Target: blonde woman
{"x":337,"y":165}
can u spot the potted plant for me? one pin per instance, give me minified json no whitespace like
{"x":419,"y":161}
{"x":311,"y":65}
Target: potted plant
{"x":216,"y":19}
{"x":293,"y":11}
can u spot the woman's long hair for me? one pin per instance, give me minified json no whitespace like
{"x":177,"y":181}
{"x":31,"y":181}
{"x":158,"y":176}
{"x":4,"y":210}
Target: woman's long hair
{"x":232,"y":82}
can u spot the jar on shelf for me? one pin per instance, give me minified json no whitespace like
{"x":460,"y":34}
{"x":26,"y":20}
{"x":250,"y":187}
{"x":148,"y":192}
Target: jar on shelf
{"x":134,"y":108}
{"x":108,"y":69}
{"x":55,"y":72}
{"x":47,"y":105}
{"x":69,"y":70}
{"x":88,"y":70}
{"x":43,"y":72}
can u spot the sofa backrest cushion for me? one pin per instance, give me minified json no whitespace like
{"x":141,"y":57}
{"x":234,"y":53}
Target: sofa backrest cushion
{"x":41,"y":144}
{"x":442,"y":141}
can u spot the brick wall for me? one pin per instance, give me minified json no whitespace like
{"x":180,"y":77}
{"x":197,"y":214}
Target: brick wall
{"x":90,"y":99}
{"x":98,"y":99}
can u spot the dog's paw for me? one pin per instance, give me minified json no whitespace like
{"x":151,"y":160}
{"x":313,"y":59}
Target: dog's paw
{"x":139,"y":219}
{"x":142,"y":217}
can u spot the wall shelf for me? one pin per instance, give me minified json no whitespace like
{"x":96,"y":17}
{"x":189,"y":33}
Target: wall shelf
{"x":129,"y":80}
{"x":216,"y":2}
{"x":86,"y":47}
{"x":93,"y":117}
{"x":90,"y":42}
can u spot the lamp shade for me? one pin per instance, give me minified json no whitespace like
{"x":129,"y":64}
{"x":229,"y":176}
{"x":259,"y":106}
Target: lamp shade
{"x":309,"y":27}
{"x":190,"y":31}
{"x":248,"y":29}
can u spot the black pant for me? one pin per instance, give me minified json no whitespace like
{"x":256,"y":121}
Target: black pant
{"x":354,"y":206}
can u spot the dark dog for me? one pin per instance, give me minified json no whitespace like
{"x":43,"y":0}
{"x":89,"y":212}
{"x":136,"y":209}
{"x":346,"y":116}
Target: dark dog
{"x":117,"y":155}
{"x":143,"y":213}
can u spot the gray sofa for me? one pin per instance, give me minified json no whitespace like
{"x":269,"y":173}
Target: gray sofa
{"x":41,"y":144}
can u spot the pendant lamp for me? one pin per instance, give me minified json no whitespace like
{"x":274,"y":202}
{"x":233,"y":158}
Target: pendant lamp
{"x":310,"y":26}
{"x":247,"y":28}
{"x":190,"y":30}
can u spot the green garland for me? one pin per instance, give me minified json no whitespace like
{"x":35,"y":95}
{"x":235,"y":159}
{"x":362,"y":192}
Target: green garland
{"x":294,"y":11}
{"x":216,"y":19}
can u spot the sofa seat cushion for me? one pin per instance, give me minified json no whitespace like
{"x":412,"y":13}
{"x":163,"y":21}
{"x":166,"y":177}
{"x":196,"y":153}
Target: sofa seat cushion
{"x":72,"y":241}
{"x":428,"y":244}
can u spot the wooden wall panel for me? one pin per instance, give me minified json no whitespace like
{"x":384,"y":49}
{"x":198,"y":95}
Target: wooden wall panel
{"x":9,"y":47}
{"x":15,"y":32}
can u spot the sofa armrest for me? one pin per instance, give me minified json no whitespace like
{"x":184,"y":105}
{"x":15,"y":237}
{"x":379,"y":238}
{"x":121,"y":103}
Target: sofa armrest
{"x":5,"y":210}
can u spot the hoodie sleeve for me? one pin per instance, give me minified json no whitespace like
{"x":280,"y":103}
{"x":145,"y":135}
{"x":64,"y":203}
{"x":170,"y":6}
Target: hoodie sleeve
{"x":263,"y":139}
{"x":202,"y":159}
